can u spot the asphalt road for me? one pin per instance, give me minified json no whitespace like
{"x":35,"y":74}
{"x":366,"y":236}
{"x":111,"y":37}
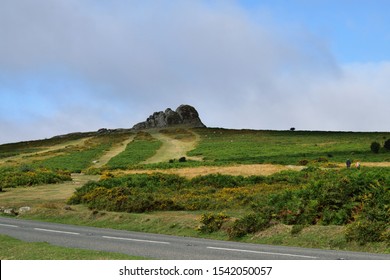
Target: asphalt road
{"x":166,"y":247}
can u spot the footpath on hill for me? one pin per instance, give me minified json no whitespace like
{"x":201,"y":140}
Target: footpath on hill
{"x":172,"y":148}
{"x":115,"y":150}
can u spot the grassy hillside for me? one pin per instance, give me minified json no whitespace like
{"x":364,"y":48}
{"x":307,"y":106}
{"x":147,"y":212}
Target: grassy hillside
{"x":76,"y":152}
{"x":287,"y":147}
{"x":222,"y":188}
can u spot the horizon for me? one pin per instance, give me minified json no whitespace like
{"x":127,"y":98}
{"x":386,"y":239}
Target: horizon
{"x":71,"y":66}
{"x":207,"y":127}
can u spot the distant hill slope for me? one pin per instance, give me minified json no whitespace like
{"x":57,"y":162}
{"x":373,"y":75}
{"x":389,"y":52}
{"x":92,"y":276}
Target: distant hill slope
{"x":161,"y":148}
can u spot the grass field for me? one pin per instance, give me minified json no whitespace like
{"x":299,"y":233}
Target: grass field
{"x":287,"y":147}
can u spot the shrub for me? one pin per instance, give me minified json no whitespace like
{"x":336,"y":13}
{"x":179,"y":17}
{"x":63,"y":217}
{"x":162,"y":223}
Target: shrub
{"x":367,"y":231}
{"x":211,"y":222}
{"x":386,"y":145}
{"x":14,"y":177}
{"x":250,"y":223}
{"x":296,"y":229}
{"x":375,"y":147}
{"x":303,"y":162}
{"x":182,"y":159}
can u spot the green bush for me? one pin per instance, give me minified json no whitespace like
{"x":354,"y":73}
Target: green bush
{"x":365,"y":231}
{"x":11,"y":177}
{"x":250,"y":223}
{"x":386,"y":145}
{"x":296,"y":229}
{"x":212,"y":222}
{"x":332,"y":198}
{"x":182,"y":159}
{"x":308,"y":197}
{"x":375,"y":147}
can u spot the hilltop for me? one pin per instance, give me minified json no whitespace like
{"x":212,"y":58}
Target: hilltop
{"x":184,"y":116}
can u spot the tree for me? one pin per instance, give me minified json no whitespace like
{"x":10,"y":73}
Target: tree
{"x":375,"y":147}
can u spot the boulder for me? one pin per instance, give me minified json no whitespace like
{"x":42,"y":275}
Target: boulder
{"x":10,"y":211}
{"x":24,"y":209}
{"x":185,"y":115}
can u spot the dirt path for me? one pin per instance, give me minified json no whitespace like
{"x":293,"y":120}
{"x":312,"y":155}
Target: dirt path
{"x":115,"y":150}
{"x":172,"y":148}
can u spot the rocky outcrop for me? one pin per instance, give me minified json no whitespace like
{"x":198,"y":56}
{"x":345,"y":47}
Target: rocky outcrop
{"x":185,"y":115}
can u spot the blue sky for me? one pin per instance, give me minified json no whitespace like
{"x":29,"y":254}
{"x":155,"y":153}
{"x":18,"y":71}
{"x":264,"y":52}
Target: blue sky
{"x":356,"y":30}
{"x":73,"y":65}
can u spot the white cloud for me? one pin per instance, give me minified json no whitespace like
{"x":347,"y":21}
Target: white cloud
{"x":116,"y":62}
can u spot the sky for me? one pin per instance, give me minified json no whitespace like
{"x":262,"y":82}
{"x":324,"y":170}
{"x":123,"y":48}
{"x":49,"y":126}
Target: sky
{"x":81,"y":65}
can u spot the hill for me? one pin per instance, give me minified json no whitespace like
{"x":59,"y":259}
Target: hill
{"x":162,"y":148}
{"x":279,"y":187}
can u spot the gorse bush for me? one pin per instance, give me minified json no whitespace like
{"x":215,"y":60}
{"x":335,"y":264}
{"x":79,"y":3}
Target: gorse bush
{"x":357,"y":198}
{"x":360,"y":199}
{"x":11,"y":177}
{"x":250,"y":223}
{"x":172,"y":192}
{"x":212,"y":222}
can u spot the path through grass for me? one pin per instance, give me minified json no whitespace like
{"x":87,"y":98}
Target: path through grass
{"x":172,"y":148}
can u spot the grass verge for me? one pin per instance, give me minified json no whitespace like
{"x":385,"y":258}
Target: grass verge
{"x":14,"y":249}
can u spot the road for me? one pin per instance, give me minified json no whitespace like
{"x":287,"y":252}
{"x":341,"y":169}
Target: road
{"x":157,"y":246}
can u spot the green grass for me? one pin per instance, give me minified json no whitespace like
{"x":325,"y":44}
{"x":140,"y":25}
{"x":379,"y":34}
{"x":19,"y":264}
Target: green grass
{"x":79,"y":158}
{"x":12,"y":149}
{"x":141,"y":148}
{"x":216,"y":147}
{"x":75,"y":161}
{"x":286,"y":147}
{"x":14,"y":249}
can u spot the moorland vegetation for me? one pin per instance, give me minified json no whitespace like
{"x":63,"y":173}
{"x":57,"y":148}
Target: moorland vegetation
{"x":323,"y":193}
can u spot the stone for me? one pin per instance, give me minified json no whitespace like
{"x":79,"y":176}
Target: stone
{"x":185,"y":115}
{"x":10,"y":211}
{"x":24,"y":209}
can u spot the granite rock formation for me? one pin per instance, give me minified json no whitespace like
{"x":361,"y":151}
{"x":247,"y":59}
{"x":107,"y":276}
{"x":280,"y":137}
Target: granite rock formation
{"x":185,"y":115}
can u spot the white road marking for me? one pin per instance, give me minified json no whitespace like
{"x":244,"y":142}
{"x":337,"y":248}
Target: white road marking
{"x":136,"y":240}
{"x":5,"y":225}
{"x":264,"y":253}
{"x":57,"y":231}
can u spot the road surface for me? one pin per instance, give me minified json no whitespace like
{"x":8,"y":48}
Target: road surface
{"x":157,"y":246}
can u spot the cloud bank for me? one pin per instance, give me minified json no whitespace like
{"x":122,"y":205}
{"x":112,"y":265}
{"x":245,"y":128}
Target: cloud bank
{"x":80,"y":65}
